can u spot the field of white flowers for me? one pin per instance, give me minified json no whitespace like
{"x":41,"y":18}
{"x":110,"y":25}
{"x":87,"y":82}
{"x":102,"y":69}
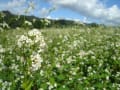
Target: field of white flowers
{"x":60,"y":59}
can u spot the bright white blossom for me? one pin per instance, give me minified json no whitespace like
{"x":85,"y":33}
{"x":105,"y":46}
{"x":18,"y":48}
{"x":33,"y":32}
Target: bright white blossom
{"x":2,"y":49}
{"x":24,"y":40}
{"x":28,"y":23}
{"x":33,"y":39}
{"x":36,"y":62}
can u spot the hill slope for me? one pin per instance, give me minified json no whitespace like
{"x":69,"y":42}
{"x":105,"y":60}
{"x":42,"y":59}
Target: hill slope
{"x":18,"y":21}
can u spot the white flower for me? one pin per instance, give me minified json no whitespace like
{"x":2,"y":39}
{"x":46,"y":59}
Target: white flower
{"x":40,"y":89}
{"x":36,"y":62}
{"x":82,"y":53}
{"x":55,"y":85}
{"x":24,"y":40}
{"x":58,"y":65}
{"x":107,"y":77}
{"x":4,"y":25}
{"x":37,"y":37}
{"x":34,"y":39}
{"x":89,"y":68}
{"x":1,"y":49}
{"x":70,"y":60}
{"x":28,"y":23}
{"x":41,"y":73}
{"x":34,"y":32}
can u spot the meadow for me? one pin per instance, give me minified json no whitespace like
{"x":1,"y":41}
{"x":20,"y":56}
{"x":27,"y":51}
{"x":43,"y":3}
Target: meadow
{"x":71,"y":58}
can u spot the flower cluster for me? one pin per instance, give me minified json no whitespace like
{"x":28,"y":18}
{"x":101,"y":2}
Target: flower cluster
{"x":34,"y":43}
{"x":4,"y":25}
{"x":36,"y":62}
{"x":24,"y":41}
{"x":2,"y":49}
{"x":28,"y":23}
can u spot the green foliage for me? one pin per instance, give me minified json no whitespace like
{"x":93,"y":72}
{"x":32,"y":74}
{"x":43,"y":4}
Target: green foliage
{"x":15,"y":21}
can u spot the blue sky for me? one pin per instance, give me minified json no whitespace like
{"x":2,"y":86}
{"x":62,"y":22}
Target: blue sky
{"x":101,"y":11}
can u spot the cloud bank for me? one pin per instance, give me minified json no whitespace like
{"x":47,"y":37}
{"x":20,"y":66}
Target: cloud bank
{"x":91,"y":8}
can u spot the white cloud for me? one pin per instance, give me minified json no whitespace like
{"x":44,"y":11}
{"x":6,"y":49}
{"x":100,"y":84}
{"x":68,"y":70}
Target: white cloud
{"x":16,"y":6}
{"x":44,"y":12}
{"x":85,"y":19}
{"x":49,"y":17}
{"x":15,"y":3}
{"x":92,"y":8}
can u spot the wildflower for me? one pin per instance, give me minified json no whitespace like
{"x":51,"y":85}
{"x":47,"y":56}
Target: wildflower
{"x":24,"y":40}
{"x":82,"y":53}
{"x":107,"y":77}
{"x":36,"y":62}
{"x":28,"y":23}
{"x":41,"y":73}
{"x":40,"y":89}
{"x":34,"y":32}
{"x":37,"y":37}
{"x":4,"y":25}
{"x":58,"y":65}
{"x":1,"y":49}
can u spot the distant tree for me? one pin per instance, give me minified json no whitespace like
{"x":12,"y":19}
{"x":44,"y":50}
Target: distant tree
{"x":94,"y":25}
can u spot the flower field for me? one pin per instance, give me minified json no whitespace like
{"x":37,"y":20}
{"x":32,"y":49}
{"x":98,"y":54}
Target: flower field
{"x":60,"y":59}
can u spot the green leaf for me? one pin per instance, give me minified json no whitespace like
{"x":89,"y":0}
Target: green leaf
{"x":52,"y":80}
{"x":61,"y":77}
{"x":44,"y":86}
{"x":27,"y":84}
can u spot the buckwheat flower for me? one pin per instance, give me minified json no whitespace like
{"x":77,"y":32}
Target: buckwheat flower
{"x":82,"y":53}
{"x":104,"y":89}
{"x":36,"y":62}
{"x":40,"y":89}
{"x":42,"y":44}
{"x":28,"y":23}
{"x":41,"y":73}
{"x":24,"y":40}
{"x":50,"y":87}
{"x":63,"y":86}
{"x":14,"y":67}
{"x":34,"y":32}
{"x":107,"y":77}
{"x":37,"y":37}
{"x":5,"y":25}
{"x":48,"y":83}
{"x":89,"y":68}
{"x":107,"y":71}
{"x":55,"y":84}
{"x":70,"y":79}
{"x":93,"y":57}
{"x":17,"y":28}
{"x":117,"y":74}
{"x":92,"y":88}
{"x":6,"y":85}
{"x":58,"y":65}
{"x":1,"y":49}
{"x":34,"y":20}
{"x":90,"y":52}
{"x":69,"y":60}
{"x":60,"y":36}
